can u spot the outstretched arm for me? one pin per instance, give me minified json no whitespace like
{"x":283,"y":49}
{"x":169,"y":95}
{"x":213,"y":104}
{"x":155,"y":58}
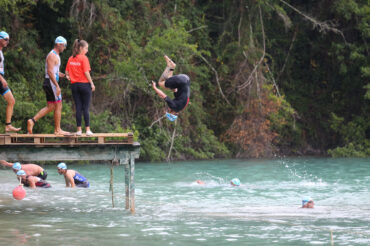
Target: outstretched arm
{"x":6,"y":164}
{"x":160,"y":93}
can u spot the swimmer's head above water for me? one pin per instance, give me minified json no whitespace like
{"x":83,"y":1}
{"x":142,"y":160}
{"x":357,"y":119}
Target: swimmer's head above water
{"x":62,"y":167}
{"x":17,"y":166}
{"x":21,"y":173}
{"x":235,"y":182}
{"x":307,"y":203}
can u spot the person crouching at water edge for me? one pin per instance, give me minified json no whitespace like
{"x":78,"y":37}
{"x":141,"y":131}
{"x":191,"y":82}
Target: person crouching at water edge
{"x":179,"y":84}
{"x":72,"y":177}
{"x":308,"y":203}
{"x":30,"y":169}
{"x":31,"y":181}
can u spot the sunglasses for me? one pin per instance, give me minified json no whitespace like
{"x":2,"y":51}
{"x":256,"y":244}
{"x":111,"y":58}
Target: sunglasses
{"x":6,"y":39}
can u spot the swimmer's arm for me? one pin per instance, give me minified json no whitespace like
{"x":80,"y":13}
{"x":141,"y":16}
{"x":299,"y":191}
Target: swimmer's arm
{"x":5,"y":163}
{"x":87,"y":73}
{"x":32,"y":183}
{"x":160,"y":93}
{"x":3,"y":81}
{"x":69,"y":179}
{"x":67,"y":75}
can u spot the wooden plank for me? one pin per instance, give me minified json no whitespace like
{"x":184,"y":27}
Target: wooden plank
{"x":67,"y":136}
{"x":8,"y":140}
{"x":68,"y":143}
{"x":37,"y":140}
{"x":101,"y":140}
{"x":52,"y":139}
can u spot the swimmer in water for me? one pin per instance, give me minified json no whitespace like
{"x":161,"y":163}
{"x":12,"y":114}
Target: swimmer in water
{"x":30,"y":169}
{"x":200,"y":182}
{"x":235,"y":182}
{"x":31,"y":181}
{"x":308,"y":203}
{"x":72,"y":177}
{"x":179,"y":84}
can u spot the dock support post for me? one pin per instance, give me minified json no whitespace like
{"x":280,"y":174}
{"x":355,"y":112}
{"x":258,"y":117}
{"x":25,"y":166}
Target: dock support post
{"x":132,"y":183}
{"x":127,"y":184}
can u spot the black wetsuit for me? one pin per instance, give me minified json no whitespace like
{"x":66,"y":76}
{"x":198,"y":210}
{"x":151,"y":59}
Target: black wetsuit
{"x":41,"y":183}
{"x":181,"y":82}
{"x":43,"y":175}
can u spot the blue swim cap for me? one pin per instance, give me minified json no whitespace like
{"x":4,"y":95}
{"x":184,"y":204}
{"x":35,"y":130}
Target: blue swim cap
{"x":61,"y":40}
{"x":62,"y":165}
{"x":17,"y":166}
{"x":21,"y":173}
{"x":171,"y":117}
{"x":306,"y":200}
{"x":3,"y":35}
{"x":235,"y":181}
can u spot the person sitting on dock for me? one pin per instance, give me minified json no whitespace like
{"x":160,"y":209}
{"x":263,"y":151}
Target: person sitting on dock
{"x":179,"y":84}
{"x":51,"y":88}
{"x":30,"y":169}
{"x":308,"y":203}
{"x":31,"y":181}
{"x":72,"y":177}
{"x":4,"y":89}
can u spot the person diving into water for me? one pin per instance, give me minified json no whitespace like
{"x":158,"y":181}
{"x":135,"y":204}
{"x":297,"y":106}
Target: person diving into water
{"x":179,"y":84}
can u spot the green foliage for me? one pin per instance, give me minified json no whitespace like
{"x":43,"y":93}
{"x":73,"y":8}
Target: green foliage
{"x":323,"y":80}
{"x":353,"y":136}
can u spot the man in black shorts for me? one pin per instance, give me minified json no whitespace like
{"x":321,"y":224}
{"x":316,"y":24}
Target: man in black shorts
{"x":4,"y":89}
{"x":179,"y":84}
{"x":51,"y":88}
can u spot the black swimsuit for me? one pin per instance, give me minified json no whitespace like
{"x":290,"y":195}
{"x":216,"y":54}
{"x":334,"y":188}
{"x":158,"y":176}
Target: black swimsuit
{"x":181,"y":82}
{"x":43,"y":175}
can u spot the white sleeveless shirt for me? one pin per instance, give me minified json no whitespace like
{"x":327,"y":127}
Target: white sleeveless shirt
{"x":55,"y":68}
{"x":1,"y":63}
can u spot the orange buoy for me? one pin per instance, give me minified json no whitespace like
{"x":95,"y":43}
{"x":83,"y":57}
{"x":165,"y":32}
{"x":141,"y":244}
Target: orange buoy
{"x":19,"y":192}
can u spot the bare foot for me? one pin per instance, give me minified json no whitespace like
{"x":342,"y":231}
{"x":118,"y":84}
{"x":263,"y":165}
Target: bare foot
{"x":10,"y":128}
{"x":61,"y":132}
{"x":30,"y":125}
{"x":169,"y":62}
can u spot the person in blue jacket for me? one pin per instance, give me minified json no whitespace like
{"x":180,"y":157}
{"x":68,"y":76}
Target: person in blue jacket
{"x":72,"y":177}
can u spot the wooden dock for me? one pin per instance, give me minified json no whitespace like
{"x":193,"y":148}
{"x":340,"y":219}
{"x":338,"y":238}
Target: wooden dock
{"x":73,"y":139}
{"x":116,"y":147}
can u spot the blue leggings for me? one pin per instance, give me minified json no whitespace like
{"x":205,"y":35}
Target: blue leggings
{"x":81,"y":93}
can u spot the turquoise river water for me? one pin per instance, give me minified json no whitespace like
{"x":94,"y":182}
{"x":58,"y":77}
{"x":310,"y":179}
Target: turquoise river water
{"x":172,"y":209}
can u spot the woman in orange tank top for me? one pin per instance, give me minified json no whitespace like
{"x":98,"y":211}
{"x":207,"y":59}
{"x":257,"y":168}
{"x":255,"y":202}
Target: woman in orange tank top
{"x":78,"y":72}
